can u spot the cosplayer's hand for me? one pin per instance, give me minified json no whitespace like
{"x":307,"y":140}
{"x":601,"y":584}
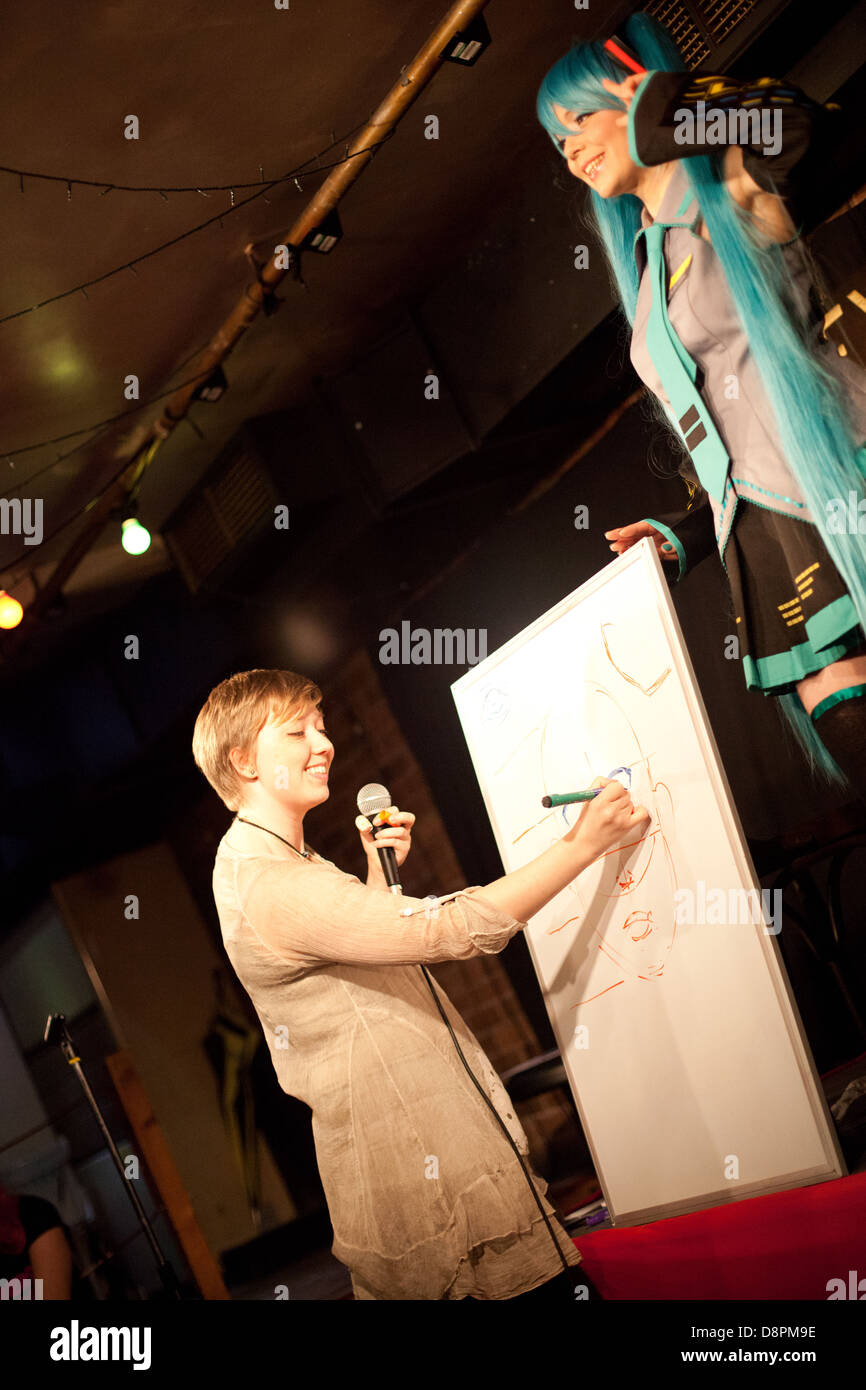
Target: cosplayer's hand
{"x":623,"y":537}
{"x":624,"y":90}
{"x":397,"y":835}
{"x":607,"y":819}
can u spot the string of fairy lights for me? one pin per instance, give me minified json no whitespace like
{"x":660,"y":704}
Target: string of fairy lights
{"x":135,"y":538}
{"x":292,"y":175}
{"x":463,"y":47}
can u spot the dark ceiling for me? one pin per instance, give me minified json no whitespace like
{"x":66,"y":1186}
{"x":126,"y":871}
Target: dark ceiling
{"x":220,"y":95}
{"x":470,"y":234}
{"x":243,"y":93}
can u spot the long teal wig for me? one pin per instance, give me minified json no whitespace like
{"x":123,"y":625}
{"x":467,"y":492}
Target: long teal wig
{"x":810,"y":410}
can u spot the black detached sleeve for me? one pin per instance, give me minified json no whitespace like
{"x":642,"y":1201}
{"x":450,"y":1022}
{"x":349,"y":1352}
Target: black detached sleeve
{"x":788,"y":140}
{"x":691,"y":533}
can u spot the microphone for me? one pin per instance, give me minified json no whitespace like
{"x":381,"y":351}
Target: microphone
{"x":371,"y":799}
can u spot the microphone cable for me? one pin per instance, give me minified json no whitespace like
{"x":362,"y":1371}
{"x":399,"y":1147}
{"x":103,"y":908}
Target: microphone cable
{"x":484,"y":1096}
{"x":372,"y":799}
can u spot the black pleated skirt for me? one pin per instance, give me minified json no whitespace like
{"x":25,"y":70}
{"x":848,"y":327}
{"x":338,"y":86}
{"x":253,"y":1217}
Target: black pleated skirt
{"x":791,"y":610}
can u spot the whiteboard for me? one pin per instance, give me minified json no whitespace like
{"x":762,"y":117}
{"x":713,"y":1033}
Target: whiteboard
{"x":665,"y":988}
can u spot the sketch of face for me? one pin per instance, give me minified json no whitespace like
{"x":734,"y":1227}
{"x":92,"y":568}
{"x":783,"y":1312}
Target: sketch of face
{"x":618,"y":896}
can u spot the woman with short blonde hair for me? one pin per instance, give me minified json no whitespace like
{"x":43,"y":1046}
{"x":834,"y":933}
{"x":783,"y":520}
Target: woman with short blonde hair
{"x":420,"y":1163}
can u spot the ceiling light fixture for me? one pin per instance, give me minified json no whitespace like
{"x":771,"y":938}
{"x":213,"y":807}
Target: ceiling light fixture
{"x":467,"y":46}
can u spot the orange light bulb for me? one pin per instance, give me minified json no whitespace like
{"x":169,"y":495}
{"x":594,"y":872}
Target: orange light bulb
{"x":11,"y":611}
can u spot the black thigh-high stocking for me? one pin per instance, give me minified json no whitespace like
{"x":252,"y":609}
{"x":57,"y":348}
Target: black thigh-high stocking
{"x":841,"y":727}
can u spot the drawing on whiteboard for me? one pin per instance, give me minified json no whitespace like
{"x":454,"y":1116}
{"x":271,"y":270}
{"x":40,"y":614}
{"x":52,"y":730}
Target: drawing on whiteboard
{"x":496,"y":706}
{"x":618,"y":897}
{"x":648,"y":689}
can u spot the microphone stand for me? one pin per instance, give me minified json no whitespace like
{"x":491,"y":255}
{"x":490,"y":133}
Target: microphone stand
{"x":57,"y":1032}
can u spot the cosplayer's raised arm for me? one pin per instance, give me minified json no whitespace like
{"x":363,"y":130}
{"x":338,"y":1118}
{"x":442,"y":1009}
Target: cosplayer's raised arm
{"x":674,"y":115}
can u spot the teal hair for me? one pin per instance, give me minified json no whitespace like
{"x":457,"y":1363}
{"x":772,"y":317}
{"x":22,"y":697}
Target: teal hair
{"x":809,"y":407}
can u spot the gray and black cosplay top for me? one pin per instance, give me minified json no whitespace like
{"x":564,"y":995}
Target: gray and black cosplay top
{"x":792,"y":610}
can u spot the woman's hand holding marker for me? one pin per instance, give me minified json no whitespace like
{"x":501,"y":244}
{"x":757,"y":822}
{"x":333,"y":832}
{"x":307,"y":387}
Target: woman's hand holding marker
{"x":604,"y":822}
{"x":607,"y":819}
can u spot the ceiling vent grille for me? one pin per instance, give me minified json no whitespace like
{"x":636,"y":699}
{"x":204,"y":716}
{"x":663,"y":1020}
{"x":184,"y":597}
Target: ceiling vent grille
{"x":233,"y":501}
{"x":722,"y":16}
{"x":702,"y":28}
{"x":682,"y":28}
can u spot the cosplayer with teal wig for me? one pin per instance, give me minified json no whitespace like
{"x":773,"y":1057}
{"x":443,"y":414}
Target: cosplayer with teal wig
{"x":820,"y":432}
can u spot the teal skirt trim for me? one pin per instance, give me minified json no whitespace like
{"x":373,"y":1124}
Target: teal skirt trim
{"x":832,"y":633}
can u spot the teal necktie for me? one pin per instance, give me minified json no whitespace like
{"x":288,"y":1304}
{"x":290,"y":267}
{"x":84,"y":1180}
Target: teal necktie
{"x":678,"y":375}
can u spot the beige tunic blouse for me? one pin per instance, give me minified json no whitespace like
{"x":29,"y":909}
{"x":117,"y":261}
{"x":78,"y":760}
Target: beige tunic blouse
{"x":426,"y":1197}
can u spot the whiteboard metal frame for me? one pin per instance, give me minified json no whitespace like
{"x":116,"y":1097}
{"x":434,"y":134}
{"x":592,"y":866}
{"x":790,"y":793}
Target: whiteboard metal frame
{"x":644,"y":555}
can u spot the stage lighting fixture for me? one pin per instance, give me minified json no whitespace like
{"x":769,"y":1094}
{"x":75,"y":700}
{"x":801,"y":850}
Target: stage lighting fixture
{"x":213,"y":388}
{"x":467,"y":46}
{"x":324,"y":237}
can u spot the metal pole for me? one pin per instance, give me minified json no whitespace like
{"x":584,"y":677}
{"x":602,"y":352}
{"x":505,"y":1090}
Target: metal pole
{"x":57,"y":1032}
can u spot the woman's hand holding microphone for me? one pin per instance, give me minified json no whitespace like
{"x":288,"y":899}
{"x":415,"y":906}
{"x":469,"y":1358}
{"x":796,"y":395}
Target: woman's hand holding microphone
{"x":395,"y":834}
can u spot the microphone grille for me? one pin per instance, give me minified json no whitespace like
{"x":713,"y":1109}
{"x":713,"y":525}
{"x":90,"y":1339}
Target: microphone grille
{"x":373,"y":798}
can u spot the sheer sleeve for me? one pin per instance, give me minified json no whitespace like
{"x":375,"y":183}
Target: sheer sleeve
{"x":313,"y":914}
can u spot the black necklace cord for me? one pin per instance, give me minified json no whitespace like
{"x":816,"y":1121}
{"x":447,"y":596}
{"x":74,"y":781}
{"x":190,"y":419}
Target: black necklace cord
{"x":302,"y":852}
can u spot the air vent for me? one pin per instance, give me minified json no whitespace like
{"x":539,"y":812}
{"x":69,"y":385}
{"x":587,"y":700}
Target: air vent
{"x":228,"y":507}
{"x":722,"y":16}
{"x":683,"y":29}
{"x":703,"y":30}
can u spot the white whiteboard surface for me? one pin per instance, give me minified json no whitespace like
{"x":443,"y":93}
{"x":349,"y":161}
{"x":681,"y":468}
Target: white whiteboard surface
{"x":681,"y":1040}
